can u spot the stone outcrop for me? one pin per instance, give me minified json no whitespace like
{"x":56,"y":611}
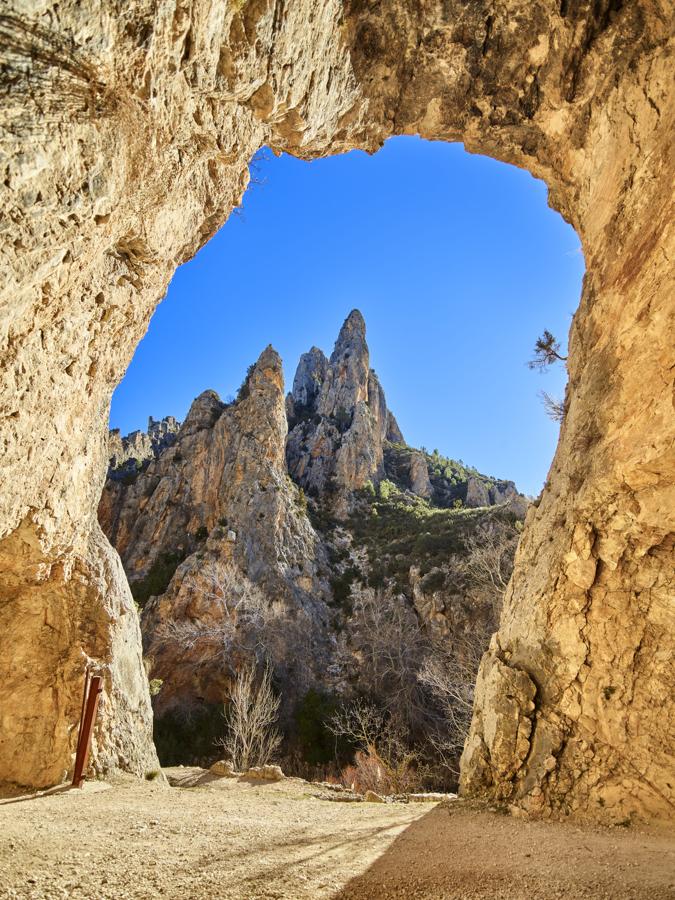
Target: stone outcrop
{"x":418,"y":475}
{"x":339,"y":417}
{"x":480,"y":492}
{"x":125,"y":144}
{"x":132,"y":452}
{"x":219,"y":499}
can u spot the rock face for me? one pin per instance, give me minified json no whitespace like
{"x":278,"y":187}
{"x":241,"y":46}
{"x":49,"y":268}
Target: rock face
{"x":219,"y":499}
{"x":220,"y":553}
{"x":130,"y":453}
{"x":129,"y":136}
{"x":339,"y":417}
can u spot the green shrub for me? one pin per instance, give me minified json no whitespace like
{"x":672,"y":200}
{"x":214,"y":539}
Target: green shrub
{"x":342,"y":419}
{"x":341,"y":586}
{"x":301,"y":500}
{"x":158,"y":577}
{"x":245,"y":388}
{"x":434,"y":581}
{"x":201,"y":533}
{"x":406,"y":531}
{"x":316,"y":743}
{"x":184,"y":738}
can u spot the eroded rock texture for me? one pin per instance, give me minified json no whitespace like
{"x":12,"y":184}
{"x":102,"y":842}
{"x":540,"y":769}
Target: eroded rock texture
{"x":339,"y":416}
{"x":219,"y":503}
{"x":126,"y":135}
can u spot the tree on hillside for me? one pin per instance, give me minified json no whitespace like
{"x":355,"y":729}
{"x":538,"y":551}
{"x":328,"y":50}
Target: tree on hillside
{"x":555,"y":408}
{"x":546,"y":352}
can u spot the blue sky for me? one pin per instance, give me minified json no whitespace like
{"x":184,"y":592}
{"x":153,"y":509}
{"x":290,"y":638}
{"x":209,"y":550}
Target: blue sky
{"x":455,"y":261}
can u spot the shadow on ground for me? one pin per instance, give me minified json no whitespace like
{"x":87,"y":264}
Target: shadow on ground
{"x":455,"y":853}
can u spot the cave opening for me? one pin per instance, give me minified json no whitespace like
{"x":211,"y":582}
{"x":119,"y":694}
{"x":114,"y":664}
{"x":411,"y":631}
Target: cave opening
{"x":135,"y":134}
{"x":455,"y":260}
{"x":455,"y":265}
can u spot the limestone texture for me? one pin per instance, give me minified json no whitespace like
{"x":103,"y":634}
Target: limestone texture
{"x":125,"y":139}
{"x":219,"y":502}
{"x":339,"y":417}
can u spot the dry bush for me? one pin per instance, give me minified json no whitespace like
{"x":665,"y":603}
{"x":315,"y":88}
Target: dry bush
{"x":390,"y":642}
{"x":487,"y":562}
{"x":555,"y":408}
{"x":383,"y":761}
{"x":238,"y":618}
{"x":450,"y":676}
{"x":251,"y":714}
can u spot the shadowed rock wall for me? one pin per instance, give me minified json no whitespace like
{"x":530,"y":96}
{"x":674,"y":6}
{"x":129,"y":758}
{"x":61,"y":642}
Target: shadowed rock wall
{"x":126,"y":135}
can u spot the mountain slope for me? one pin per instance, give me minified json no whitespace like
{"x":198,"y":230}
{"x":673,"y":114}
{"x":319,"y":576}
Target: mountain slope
{"x":280,"y":529}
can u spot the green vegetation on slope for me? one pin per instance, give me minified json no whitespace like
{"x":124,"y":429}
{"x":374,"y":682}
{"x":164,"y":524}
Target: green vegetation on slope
{"x":158,"y":578}
{"x":449,"y":477}
{"x":399,"y":530}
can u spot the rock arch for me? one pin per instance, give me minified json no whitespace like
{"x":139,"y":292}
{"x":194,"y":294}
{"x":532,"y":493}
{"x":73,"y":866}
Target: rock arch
{"x":126,"y":136}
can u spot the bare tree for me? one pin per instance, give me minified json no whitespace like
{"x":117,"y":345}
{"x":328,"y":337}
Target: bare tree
{"x":235,"y":613}
{"x":384,"y":761}
{"x":390,"y":641}
{"x":449,"y":673}
{"x":555,"y":408}
{"x":251,"y":715}
{"x":488,"y":559}
{"x":546,"y":352}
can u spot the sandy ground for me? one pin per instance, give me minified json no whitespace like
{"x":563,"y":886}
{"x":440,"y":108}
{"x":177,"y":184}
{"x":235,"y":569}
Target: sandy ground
{"x":221,"y":838}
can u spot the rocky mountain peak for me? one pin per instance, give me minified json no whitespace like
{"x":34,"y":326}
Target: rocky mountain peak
{"x":265,"y":377}
{"x":338,"y":416}
{"x":346,"y":382}
{"x":203,"y":413}
{"x":352,"y":335}
{"x":309,"y":377}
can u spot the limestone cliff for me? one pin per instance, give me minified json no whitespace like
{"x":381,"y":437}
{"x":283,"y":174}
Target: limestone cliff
{"x":338,"y":417}
{"x":126,"y":138}
{"x":218,"y":498}
{"x":221,"y":555}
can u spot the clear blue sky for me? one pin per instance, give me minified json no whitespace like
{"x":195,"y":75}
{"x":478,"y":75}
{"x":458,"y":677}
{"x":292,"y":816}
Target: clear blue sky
{"x":455,"y":261}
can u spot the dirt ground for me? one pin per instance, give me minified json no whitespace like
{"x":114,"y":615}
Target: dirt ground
{"x":223,"y":838}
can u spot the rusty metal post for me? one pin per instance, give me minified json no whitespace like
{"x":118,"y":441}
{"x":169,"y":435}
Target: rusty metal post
{"x":86,"y":727}
{"x":84,"y":704}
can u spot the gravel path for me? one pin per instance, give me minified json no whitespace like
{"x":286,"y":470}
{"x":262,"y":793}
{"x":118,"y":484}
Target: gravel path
{"x":228,"y":839}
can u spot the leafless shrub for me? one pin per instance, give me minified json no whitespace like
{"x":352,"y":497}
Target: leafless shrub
{"x":390,"y":641}
{"x":237,"y":615}
{"x":383,"y":761}
{"x":555,"y":408}
{"x":449,"y":673}
{"x":488,"y":559}
{"x":251,"y":714}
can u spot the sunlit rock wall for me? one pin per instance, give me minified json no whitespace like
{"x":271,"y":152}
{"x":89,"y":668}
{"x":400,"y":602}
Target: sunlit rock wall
{"x":126,"y":134}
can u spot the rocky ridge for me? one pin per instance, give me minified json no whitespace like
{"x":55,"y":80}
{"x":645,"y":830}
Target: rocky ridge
{"x":214,"y":515}
{"x":218,"y":497}
{"x":135,"y":450}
